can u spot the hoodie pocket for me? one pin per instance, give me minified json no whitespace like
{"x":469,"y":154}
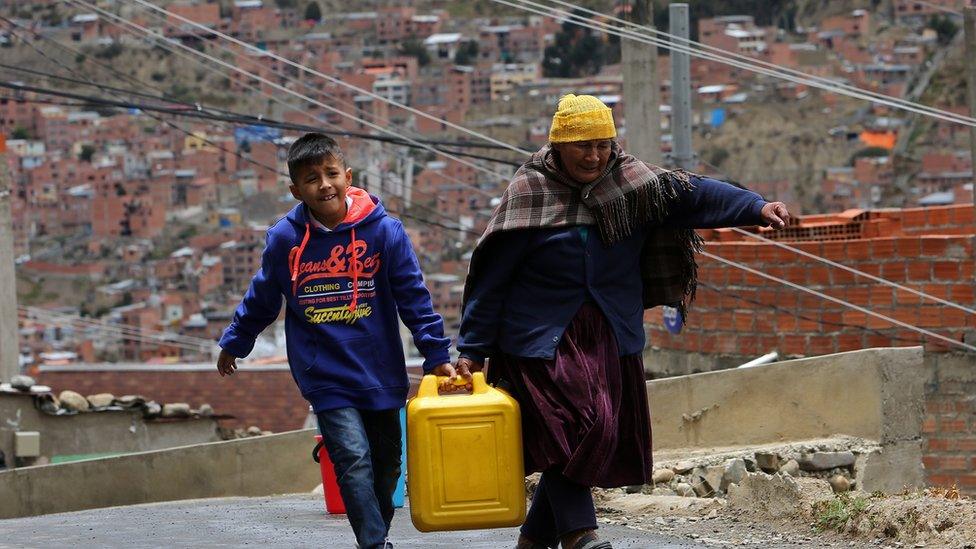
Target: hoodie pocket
{"x":352,"y":364}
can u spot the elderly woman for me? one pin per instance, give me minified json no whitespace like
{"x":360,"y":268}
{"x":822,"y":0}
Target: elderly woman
{"x":585,"y":238}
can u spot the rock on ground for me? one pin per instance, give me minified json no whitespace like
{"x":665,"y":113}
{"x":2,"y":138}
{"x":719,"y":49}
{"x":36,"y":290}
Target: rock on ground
{"x":176,"y":409}
{"x":777,"y":495}
{"x":22,"y":382}
{"x":101,"y":400}
{"x":662,"y":476}
{"x":840,"y":483}
{"x":791,"y":468}
{"x":821,"y":461}
{"x":73,"y":401}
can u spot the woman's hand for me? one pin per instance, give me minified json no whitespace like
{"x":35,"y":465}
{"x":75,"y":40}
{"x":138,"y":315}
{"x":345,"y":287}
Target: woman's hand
{"x":775,"y":215}
{"x":463,"y":368}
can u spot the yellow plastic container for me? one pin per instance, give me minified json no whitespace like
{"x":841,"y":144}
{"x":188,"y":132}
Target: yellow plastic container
{"x":464,"y":458}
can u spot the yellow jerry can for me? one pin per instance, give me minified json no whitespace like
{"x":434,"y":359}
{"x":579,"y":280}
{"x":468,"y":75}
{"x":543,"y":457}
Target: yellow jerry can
{"x":464,"y":458}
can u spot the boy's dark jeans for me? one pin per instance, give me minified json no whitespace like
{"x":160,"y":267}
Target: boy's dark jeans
{"x":364,"y":446}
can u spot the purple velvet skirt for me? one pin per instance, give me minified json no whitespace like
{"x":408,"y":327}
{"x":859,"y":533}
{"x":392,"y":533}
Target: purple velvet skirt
{"x":585,"y":411}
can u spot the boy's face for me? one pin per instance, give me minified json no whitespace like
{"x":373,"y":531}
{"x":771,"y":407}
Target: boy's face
{"x":322,"y":187}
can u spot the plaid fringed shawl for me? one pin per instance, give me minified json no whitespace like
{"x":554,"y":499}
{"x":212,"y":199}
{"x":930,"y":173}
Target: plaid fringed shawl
{"x":627,"y":196}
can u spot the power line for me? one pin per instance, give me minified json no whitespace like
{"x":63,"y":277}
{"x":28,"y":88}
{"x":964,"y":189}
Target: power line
{"x":197,"y":114}
{"x":320,"y":74}
{"x":842,"y":89}
{"x":192,"y":113}
{"x":468,"y":131}
{"x":323,"y":92}
{"x":838,"y":301}
{"x":122,"y":328}
{"x":854,"y":271}
{"x":169,"y":338}
{"x":42,"y":316}
{"x":96,"y":100}
{"x":129,"y":25}
{"x":158,"y":119}
{"x":284,"y":89}
{"x":231,"y":117}
{"x":725,"y":292}
{"x":721,"y":53}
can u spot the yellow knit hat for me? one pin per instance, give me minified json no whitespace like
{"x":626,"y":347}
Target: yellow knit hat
{"x":581,"y":118}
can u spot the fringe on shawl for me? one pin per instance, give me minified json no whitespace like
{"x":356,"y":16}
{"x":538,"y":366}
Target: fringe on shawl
{"x":647,"y":204}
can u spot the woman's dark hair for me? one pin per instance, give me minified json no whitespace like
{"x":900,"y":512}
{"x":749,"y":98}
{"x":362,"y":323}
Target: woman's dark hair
{"x":311,"y":149}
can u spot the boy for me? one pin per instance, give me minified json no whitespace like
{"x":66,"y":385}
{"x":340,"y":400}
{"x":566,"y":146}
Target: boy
{"x":346,"y":270}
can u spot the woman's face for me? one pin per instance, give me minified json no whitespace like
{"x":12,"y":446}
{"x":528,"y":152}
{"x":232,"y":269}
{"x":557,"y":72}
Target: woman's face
{"x":584,"y":161}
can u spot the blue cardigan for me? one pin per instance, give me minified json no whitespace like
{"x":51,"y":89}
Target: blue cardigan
{"x":534,"y":280}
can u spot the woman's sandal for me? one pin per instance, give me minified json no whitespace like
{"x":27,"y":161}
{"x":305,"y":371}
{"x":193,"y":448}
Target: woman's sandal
{"x":591,"y":541}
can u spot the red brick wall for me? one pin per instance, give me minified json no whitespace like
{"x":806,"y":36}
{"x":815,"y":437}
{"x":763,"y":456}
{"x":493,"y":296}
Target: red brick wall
{"x":949,"y":427}
{"x":266,"y":398}
{"x":741,"y":313}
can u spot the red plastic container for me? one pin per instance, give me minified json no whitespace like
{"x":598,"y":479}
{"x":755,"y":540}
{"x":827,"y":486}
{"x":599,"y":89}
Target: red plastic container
{"x":333,"y":499}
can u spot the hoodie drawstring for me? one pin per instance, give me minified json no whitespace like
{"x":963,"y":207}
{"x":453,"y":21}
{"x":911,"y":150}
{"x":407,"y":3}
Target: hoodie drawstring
{"x":296,"y":263}
{"x":355,"y":272}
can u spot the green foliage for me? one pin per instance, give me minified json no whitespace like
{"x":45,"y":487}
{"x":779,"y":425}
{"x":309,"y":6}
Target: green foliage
{"x":577,"y":51}
{"x":780,"y":13}
{"x":717,"y":156}
{"x":944,"y":27}
{"x":110,"y":51}
{"x":180,"y":92}
{"x":80,"y":58}
{"x":87,"y":151}
{"x":54,"y":17}
{"x":20,"y":133}
{"x":870,"y":152}
{"x":285,"y":4}
{"x":188,"y":232}
{"x":834,"y":514}
{"x":415,"y":48}
{"x":467,"y":54}
{"x":313,"y":12}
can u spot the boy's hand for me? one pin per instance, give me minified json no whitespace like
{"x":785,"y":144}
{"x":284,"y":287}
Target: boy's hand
{"x":226,"y":363}
{"x":463,"y":368}
{"x":447,"y":370}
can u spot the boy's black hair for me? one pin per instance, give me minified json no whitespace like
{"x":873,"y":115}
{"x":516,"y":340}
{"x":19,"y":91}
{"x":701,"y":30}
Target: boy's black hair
{"x":311,"y":149}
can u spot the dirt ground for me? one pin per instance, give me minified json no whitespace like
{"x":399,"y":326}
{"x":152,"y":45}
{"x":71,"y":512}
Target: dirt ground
{"x":849,"y":520}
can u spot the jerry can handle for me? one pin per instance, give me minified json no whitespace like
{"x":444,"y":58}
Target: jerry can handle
{"x":315,"y":451}
{"x":430,"y":383}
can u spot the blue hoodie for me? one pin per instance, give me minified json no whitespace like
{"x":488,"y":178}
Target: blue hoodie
{"x":341,"y":324}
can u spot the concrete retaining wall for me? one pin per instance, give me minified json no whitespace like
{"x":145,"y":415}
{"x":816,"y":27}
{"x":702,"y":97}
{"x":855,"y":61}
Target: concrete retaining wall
{"x":258,"y":466}
{"x":875,"y":394}
{"x":96,"y":432}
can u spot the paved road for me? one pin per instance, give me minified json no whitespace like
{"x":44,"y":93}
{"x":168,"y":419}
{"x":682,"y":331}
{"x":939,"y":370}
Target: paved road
{"x":283,"y":521}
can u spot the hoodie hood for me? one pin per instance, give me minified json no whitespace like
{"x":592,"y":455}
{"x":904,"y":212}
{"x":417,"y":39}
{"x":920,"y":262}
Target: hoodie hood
{"x":364,"y":208}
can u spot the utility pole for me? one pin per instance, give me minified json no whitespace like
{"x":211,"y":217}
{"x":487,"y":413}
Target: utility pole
{"x":681,"y":153}
{"x":969,"y":28}
{"x":9,"y":353}
{"x":642,"y":93}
